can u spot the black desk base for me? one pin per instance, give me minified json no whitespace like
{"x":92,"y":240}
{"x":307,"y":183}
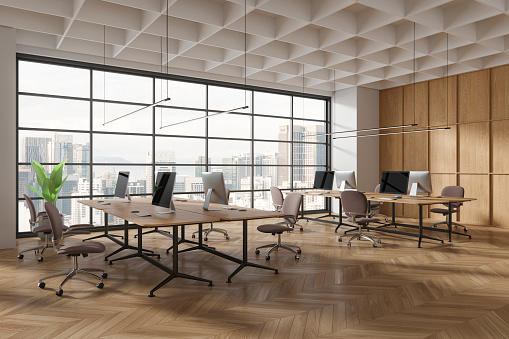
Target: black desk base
{"x":106,"y":233}
{"x":125,"y":246}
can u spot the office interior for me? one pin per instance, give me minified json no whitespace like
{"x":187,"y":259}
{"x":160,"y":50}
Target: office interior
{"x":298,"y":87}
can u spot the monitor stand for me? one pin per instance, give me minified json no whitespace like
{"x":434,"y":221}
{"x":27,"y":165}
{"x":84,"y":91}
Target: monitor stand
{"x":172,"y":209}
{"x":414,"y":189}
{"x":128,"y":199}
{"x":207,"y":201}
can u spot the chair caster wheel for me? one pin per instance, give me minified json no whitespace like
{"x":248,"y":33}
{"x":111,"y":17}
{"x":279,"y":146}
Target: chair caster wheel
{"x":375,"y":245}
{"x":110,"y":263}
{"x":100,"y":285}
{"x":41,"y":284}
{"x":257,"y":252}
{"x":296,"y":257}
{"x":379,"y":241}
{"x":41,"y":259}
{"x":340,"y":240}
{"x":227,"y":238}
{"x":193,"y":236}
{"x":206,"y":239}
{"x":302,"y":230}
{"x":21,"y":256}
{"x":299,"y":251}
{"x":267,"y":257}
{"x":104,"y":275}
{"x":59,"y":292}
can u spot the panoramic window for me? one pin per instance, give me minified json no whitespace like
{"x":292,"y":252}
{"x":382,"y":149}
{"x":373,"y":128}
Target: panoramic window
{"x":73,"y":117}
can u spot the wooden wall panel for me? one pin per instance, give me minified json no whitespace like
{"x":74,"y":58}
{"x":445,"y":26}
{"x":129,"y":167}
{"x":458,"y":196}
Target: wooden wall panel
{"x":500,"y":200}
{"x":439,"y":181}
{"x":499,"y":91}
{"x":500,"y":147}
{"x":474,"y":148}
{"x":415,"y":145}
{"x":443,"y":151}
{"x":474,"y":96}
{"x":476,"y":186}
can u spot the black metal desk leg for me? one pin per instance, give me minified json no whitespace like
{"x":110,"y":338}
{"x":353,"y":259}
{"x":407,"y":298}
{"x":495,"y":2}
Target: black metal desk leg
{"x":420,"y":225}
{"x":302,"y":207}
{"x":393,"y":217}
{"x":340,"y":216}
{"x":449,"y":219}
{"x":106,"y":233}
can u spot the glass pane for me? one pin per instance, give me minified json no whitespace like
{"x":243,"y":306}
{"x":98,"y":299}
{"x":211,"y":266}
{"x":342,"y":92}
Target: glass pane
{"x":105,"y":179}
{"x":173,"y":116}
{"x":241,"y":199}
{"x":304,"y":176}
{"x":272,"y":153}
{"x":77,"y":183}
{"x":53,"y":147}
{"x":278,"y":176}
{"x":180,"y":150}
{"x":230,"y":126}
{"x":309,"y":154}
{"x":271,"y":128}
{"x":309,"y":108}
{"x":228,"y":152}
{"x":306,"y":130}
{"x":139,"y":122}
{"x":188,"y":179}
{"x":235,"y":177}
{"x":313,"y":203}
{"x":273,"y":104}
{"x":67,"y":81}
{"x":263,"y":201}
{"x":122,"y":87}
{"x":182,"y":94}
{"x":41,"y":112}
{"x":111,"y":148}
{"x":223,"y":99}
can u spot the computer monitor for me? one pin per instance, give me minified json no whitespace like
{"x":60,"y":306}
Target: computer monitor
{"x":345,"y":180}
{"x":163,"y":192}
{"x":394,"y":182}
{"x":419,"y":182}
{"x":215,"y":191}
{"x":324,"y":180}
{"x":121,"y":186}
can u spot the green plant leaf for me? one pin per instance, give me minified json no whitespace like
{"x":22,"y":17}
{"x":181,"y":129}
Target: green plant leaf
{"x":56,"y":174}
{"x":35,"y":190}
{"x":48,"y":191}
{"x":62,"y":185}
{"x":40,"y":172}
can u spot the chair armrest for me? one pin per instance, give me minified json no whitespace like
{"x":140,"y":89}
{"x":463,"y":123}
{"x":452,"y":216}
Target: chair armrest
{"x":291,"y":217}
{"x":355,"y":215}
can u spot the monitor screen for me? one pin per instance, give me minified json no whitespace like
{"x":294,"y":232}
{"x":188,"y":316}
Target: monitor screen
{"x":324,"y":180}
{"x":394,"y":182}
{"x":121,"y":186}
{"x":164,"y":190}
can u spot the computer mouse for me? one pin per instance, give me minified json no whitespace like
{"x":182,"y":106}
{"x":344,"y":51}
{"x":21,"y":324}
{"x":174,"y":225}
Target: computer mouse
{"x":135,"y":211}
{"x":371,"y":197}
{"x":241,"y":210}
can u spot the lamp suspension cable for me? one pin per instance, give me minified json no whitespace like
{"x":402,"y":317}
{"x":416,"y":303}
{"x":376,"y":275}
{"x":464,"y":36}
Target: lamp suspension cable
{"x":104,"y":74}
{"x":414,"y":73}
{"x":167,"y":96}
{"x":447,"y":73}
{"x":245,"y":53}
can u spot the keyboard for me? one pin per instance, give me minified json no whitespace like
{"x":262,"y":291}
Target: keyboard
{"x":388,"y":198}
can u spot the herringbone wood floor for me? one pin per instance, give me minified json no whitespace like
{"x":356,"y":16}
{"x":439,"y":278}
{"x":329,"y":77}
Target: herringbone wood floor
{"x":455,"y":290}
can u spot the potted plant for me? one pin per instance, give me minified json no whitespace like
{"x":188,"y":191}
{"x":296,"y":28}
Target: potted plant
{"x":50,"y":186}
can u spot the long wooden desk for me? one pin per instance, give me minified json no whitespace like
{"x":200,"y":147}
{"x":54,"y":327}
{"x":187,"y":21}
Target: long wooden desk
{"x":420,"y":201}
{"x":188,"y":213}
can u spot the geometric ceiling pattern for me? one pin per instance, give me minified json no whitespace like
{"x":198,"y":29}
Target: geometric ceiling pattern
{"x":315,"y":44}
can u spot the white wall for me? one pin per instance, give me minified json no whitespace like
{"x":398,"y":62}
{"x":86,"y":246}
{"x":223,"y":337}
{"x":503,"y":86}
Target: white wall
{"x":8,"y":137}
{"x":356,"y":108}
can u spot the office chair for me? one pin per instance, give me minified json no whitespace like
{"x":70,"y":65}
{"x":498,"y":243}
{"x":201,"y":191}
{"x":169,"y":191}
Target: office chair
{"x":290,"y":208}
{"x":39,"y":224}
{"x":74,"y":250}
{"x":277,"y":198}
{"x":355,"y":206}
{"x":212,"y":228}
{"x":376,"y":206}
{"x":450,"y":191}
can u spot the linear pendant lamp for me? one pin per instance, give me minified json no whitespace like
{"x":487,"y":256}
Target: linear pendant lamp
{"x":160,"y":101}
{"x":390,"y":133}
{"x":245,"y":82}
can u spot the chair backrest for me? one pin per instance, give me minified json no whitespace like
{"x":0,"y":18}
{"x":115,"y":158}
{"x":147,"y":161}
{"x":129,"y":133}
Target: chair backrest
{"x":227,"y":193}
{"x":354,"y":202}
{"x":291,"y":206}
{"x":55,"y":220}
{"x":31,"y":208}
{"x":377,"y":188}
{"x":453,"y":191}
{"x":277,"y":196}
{"x":373,"y":203}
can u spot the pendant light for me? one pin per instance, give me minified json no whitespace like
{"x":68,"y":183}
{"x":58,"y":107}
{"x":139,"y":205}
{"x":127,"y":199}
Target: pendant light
{"x":167,"y":97}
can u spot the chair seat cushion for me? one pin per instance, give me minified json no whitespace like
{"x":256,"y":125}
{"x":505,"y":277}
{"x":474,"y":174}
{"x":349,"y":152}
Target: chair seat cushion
{"x":43,"y":229}
{"x":363,"y":221}
{"x":443,"y":211}
{"x":82,"y":247}
{"x":273,"y":228}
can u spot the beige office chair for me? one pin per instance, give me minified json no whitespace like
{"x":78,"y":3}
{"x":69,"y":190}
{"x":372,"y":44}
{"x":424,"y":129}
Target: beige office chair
{"x":450,"y":191}
{"x":212,"y":228}
{"x":277,"y":198}
{"x":37,"y":226}
{"x":376,"y":206}
{"x":74,"y":250}
{"x":290,"y":208}
{"x":355,"y":206}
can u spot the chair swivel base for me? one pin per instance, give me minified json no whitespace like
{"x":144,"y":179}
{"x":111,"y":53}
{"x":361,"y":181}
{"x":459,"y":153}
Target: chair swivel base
{"x":277,"y":246}
{"x":360,"y":235}
{"x":379,"y":215}
{"x":39,"y":249}
{"x":212,"y":229}
{"x":445,"y":223}
{"x":71,"y":272}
